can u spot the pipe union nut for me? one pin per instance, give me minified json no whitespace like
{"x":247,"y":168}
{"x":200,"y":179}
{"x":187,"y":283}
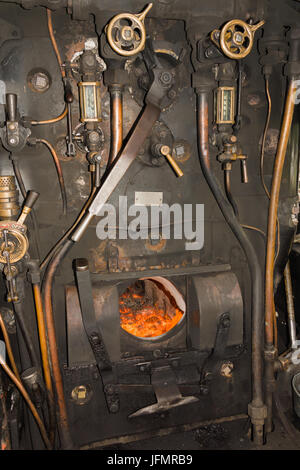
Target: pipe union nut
{"x":257,"y":414}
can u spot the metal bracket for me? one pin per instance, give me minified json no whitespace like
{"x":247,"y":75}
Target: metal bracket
{"x":167,"y":393}
{"x":94,"y":334}
{"x":218,"y":352}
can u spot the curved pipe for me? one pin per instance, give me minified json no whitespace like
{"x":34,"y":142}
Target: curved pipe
{"x":53,"y":120}
{"x":54,"y":44}
{"x":227,"y":185}
{"x":65,"y":236}
{"x":26,"y":334}
{"x":49,"y":278}
{"x":59,"y":172}
{"x":253,"y":263}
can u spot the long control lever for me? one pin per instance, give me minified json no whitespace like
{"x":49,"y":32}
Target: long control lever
{"x":69,"y":97}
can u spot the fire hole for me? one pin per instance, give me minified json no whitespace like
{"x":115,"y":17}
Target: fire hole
{"x":151,"y":307}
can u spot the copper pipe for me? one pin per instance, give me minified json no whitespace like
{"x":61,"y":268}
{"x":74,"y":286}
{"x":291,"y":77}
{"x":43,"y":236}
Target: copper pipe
{"x":49,"y":277}
{"x":59,"y":172}
{"x":8,"y":347}
{"x":203,"y":140}
{"x":29,"y":403}
{"x":62,"y":71}
{"x":272,"y":216}
{"x":262,"y":154}
{"x":256,"y":229}
{"x":44,"y":353}
{"x":53,"y":120}
{"x":290,"y":305}
{"x":116,"y":113}
{"x":54,"y":44}
{"x":270,"y":313}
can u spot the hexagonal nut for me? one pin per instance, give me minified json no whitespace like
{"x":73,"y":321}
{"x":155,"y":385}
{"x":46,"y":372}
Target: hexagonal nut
{"x":34,"y":277}
{"x":115,"y":76}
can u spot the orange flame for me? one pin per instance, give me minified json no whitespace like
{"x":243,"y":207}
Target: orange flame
{"x":140,"y":317}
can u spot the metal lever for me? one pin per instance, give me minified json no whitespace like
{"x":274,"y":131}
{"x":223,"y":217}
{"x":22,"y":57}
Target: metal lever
{"x":12,"y":293}
{"x":29,"y":202}
{"x":71,"y":152}
{"x":244,"y":171}
{"x":165,"y":151}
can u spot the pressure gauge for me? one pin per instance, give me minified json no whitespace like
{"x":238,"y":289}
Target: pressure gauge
{"x":90,"y":101}
{"x":224,"y":105}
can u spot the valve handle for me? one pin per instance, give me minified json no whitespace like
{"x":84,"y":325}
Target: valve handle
{"x":127,"y":39}
{"x":165,"y":151}
{"x":236,"y":38}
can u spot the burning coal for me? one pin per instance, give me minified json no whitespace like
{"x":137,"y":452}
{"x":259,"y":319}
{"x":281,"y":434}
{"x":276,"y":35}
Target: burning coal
{"x":148,"y":310}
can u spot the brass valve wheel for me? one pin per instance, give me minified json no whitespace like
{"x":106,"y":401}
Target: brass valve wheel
{"x":236,"y":38}
{"x":17,"y":241}
{"x":126,"y":32}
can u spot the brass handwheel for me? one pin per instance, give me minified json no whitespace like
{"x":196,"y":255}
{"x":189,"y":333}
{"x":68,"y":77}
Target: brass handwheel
{"x":236,"y":38}
{"x":126,"y":32}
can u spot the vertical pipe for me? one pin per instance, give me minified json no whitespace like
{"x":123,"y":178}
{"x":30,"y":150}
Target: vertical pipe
{"x":45,"y":360}
{"x":290,"y":305}
{"x":273,"y":207}
{"x":270,"y":351}
{"x":256,"y":408}
{"x":116,"y":113}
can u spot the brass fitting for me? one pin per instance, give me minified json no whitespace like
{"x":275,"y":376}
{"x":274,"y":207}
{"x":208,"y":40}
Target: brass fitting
{"x":17,"y":241}
{"x":232,"y":154}
{"x":9,"y":197}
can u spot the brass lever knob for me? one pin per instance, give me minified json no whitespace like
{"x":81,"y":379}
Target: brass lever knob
{"x":165,"y":151}
{"x":29,"y":202}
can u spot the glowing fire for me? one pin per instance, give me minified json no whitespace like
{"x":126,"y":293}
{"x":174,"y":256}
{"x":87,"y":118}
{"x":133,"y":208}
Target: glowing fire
{"x":141,"y":317}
